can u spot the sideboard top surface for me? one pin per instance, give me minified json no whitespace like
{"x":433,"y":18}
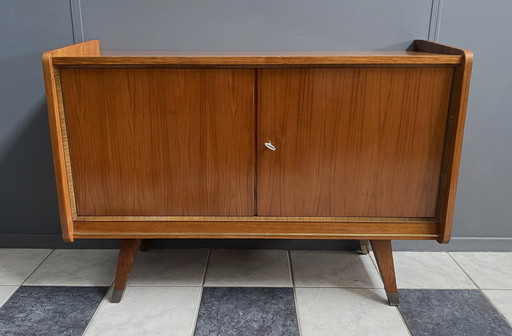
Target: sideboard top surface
{"x":90,"y":54}
{"x":260,"y":58}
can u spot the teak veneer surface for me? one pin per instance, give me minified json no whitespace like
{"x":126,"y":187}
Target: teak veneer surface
{"x":161,"y":141}
{"x":351,"y":142}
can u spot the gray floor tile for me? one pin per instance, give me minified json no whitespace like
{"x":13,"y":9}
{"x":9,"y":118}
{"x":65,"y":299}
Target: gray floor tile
{"x":502,"y":300}
{"x":451,"y":313}
{"x":38,"y":311}
{"x":334,"y":269}
{"x":429,"y":270}
{"x":489,"y":270}
{"x":151,"y":311}
{"x":169,"y":268}
{"x":252,"y":311}
{"x":5,"y":293}
{"x":347,"y":311}
{"x":17,"y":264}
{"x":248,"y":268}
{"x":76,"y":268}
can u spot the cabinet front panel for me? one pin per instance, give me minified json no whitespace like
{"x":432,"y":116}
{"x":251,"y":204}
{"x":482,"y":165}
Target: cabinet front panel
{"x":161,"y":141}
{"x":352,"y":141}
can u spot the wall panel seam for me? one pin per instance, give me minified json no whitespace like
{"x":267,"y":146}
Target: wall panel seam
{"x":435,"y":20}
{"x":76,"y":21}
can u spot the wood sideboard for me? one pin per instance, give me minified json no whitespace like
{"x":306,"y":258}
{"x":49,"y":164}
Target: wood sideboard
{"x":295,"y":145}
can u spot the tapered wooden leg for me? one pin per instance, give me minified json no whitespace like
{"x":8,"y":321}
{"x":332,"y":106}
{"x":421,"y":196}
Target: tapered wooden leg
{"x":127,"y":253}
{"x":365,"y":246}
{"x":384,"y":256}
{"x":144,"y":245}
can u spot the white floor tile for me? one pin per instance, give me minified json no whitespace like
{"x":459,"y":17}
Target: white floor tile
{"x":264,"y":268}
{"x":17,"y":264}
{"x":76,"y":268}
{"x":434,"y":270}
{"x":334,"y":269}
{"x":502,"y":300}
{"x":489,"y":270}
{"x":5,"y":293}
{"x":341,"y":311}
{"x":147,"y":311}
{"x":169,"y":268}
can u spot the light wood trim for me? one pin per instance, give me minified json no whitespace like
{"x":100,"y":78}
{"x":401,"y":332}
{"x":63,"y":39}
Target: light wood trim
{"x":255,"y":229}
{"x":65,"y":145}
{"x":258,"y":58}
{"x":254,"y":219}
{"x":455,"y":131}
{"x":193,"y":235}
{"x":58,"y":142}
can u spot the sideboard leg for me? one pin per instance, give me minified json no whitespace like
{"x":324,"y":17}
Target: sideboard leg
{"x":127,"y":253}
{"x":365,"y":246}
{"x":144,"y":245}
{"x":384,"y":256}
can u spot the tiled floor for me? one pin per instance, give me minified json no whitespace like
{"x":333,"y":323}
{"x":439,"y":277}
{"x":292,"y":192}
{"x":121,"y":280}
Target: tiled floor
{"x":253,"y":292}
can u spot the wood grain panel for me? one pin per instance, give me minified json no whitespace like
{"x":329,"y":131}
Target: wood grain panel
{"x":351,"y":142}
{"x":161,"y":141}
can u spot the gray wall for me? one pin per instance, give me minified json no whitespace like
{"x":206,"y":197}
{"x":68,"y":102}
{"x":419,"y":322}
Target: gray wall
{"x":28,"y":207}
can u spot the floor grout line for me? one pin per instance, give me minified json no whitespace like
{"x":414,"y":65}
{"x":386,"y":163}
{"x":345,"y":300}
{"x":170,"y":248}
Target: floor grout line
{"x":102,"y":302}
{"x":494,"y":306}
{"x":35,"y":268}
{"x":375,"y":264}
{"x":290,"y":268}
{"x":403,"y":321}
{"x":196,"y":316}
{"x":206,"y":267}
{"x":463,"y":270}
{"x":201,"y":290}
{"x":7,"y":298}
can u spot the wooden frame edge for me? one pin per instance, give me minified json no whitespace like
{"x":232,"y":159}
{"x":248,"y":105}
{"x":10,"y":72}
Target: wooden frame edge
{"x":258,"y":229}
{"x":258,"y":62}
{"x":59,"y":157}
{"x":57,"y":148}
{"x":455,"y":131}
{"x":142,"y":235}
{"x":314,"y":219}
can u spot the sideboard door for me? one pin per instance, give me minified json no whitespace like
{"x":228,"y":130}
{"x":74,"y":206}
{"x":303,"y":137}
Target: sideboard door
{"x":149,"y":142}
{"x":351,"y":141}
